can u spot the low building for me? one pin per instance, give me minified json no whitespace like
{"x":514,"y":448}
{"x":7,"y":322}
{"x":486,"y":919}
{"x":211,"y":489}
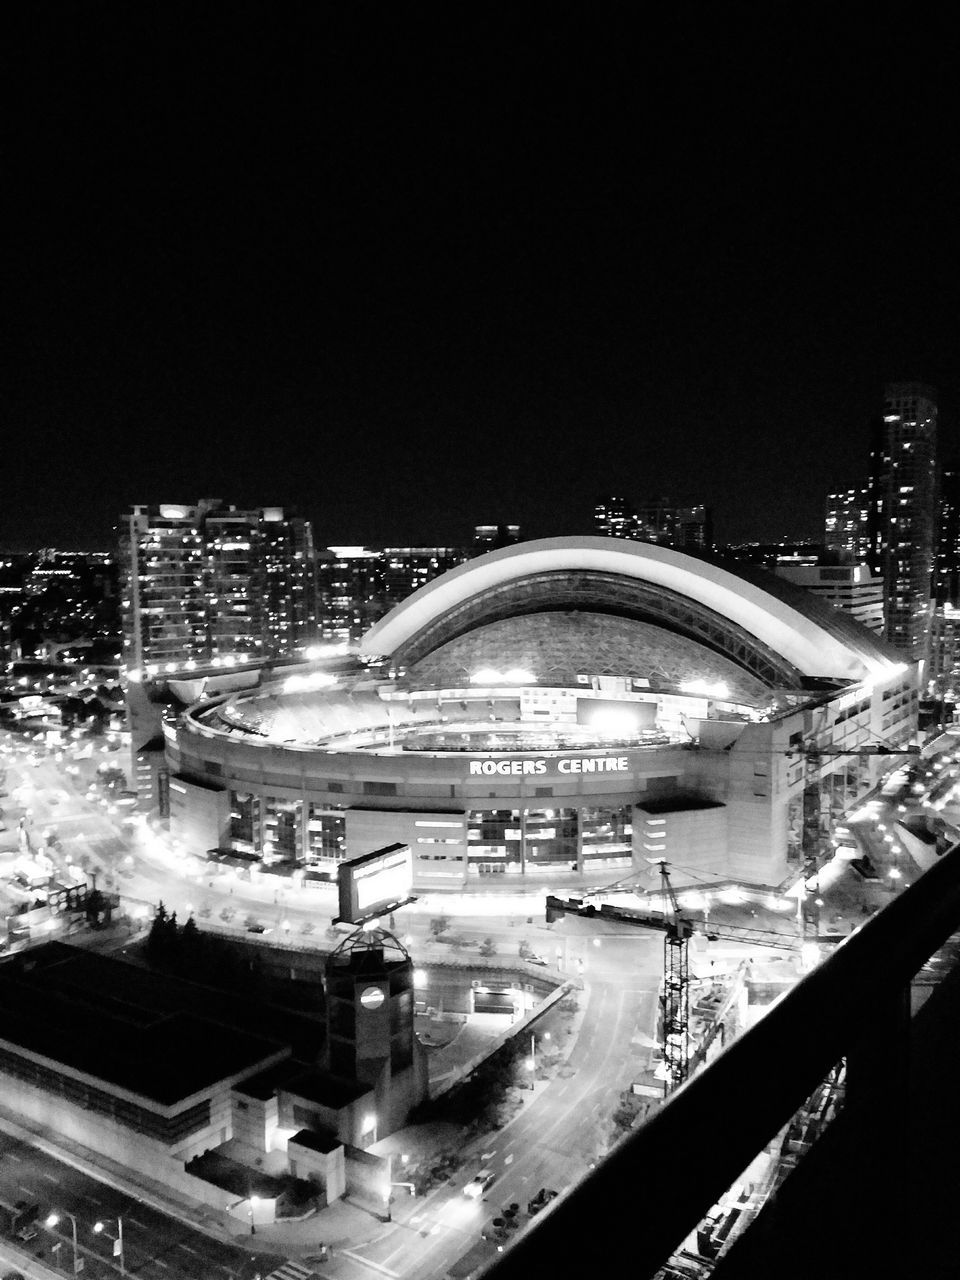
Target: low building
{"x":193,"y":1086}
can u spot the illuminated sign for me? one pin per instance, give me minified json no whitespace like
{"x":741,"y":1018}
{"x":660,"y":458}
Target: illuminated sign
{"x":374,"y":881}
{"x":580,"y":764}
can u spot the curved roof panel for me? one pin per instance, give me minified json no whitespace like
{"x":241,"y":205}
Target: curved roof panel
{"x":814,"y":639}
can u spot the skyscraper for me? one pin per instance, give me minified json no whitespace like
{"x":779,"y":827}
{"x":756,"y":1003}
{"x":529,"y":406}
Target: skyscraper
{"x":207,"y":581}
{"x":903,"y":483}
{"x":947,"y":573}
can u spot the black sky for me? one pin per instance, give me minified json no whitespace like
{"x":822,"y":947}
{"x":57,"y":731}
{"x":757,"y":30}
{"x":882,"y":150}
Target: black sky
{"x":412,"y":267}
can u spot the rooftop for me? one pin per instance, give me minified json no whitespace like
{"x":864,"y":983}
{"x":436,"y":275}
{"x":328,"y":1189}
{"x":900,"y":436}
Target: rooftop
{"x":150,"y":1034}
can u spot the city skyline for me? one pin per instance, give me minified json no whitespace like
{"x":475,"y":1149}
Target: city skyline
{"x":429,"y":268}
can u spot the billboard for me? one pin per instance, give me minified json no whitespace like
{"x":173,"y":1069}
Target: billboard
{"x":617,"y":717}
{"x":374,"y":882}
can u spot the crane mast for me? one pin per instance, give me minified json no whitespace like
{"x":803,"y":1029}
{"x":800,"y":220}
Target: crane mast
{"x":675,"y":1002}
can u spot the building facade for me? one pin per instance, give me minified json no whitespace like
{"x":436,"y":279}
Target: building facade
{"x":209,"y":581}
{"x":851,"y":587}
{"x":847,"y":524}
{"x":904,"y":483}
{"x":660,"y":521}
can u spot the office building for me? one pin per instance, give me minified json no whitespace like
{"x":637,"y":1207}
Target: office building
{"x":850,"y":587}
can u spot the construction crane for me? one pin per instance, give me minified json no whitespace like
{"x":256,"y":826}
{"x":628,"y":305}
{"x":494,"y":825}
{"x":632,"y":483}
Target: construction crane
{"x":677,"y":930}
{"x":675,"y":1002}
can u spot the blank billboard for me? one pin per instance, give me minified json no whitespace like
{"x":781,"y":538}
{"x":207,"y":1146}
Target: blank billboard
{"x":617,"y":717}
{"x":374,"y":882}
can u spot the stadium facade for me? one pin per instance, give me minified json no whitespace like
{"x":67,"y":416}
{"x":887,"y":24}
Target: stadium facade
{"x":555,"y":713}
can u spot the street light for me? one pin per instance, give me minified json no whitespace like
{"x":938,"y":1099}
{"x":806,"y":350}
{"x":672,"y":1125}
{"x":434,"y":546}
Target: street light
{"x":117,"y":1244}
{"x":254,"y":1201}
{"x":53,"y":1220}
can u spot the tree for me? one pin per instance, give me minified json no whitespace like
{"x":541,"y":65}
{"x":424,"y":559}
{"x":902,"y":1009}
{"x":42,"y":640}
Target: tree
{"x":191,"y":944}
{"x":157,"y":936}
{"x":488,"y":947}
{"x":439,"y":925}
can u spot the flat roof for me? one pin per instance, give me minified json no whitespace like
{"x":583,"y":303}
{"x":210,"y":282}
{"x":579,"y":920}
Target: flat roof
{"x":316,"y":1141}
{"x":330,"y":1091}
{"x":152,"y":1035}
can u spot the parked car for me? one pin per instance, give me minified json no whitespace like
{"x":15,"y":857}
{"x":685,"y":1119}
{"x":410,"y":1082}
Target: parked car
{"x":541,"y":1200}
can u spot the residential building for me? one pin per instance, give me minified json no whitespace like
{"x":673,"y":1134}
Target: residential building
{"x":947,"y":571}
{"x":904,"y":479}
{"x":359,"y":584}
{"x":847,"y":525}
{"x":211,"y":581}
{"x":660,"y":520}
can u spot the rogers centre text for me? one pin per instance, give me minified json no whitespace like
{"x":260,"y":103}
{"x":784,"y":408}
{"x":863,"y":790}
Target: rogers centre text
{"x":585,"y":764}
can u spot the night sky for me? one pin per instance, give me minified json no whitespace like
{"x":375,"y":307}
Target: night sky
{"x":411,"y":267}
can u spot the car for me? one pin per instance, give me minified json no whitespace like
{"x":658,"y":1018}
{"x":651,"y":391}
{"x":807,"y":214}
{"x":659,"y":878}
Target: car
{"x":27,"y":1233}
{"x":478,"y":1185}
{"x":541,"y":1200}
{"x":534,"y":959}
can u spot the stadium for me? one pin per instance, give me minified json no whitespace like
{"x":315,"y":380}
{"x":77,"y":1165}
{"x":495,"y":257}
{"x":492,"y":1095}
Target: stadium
{"x":554,"y":714}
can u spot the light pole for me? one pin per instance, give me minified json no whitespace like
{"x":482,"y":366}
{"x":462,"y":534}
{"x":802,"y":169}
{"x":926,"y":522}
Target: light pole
{"x":52,"y":1221}
{"x":117,"y":1244}
{"x":254,"y":1201}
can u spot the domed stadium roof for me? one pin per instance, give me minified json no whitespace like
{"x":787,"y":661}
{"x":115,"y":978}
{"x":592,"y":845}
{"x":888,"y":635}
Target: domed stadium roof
{"x":780,"y":633}
{"x":559,"y":648}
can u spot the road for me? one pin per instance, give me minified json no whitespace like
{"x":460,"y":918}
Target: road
{"x":558,"y":1133}
{"x":156,"y":1246}
{"x":555,"y":1138}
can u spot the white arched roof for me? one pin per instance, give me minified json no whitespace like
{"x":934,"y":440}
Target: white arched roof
{"x":815,"y":649}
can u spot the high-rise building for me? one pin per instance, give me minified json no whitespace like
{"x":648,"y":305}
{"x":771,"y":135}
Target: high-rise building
{"x":350,"y":593}
{"x":903,"y":483}
{"x":233,"y":582}
{"x":693,"y":528}
{"x":850,"y":587}
{"x":405,"y":569}
{"x":612,"y":518}
{"x":491,"y":537}
{"x":847,"y":525}
{"x":207,"y":581}
{"x":161,"y":585}
{"x":290,"y":578}
{"x":357,"y":585}
{"x":947,"y":571}
{"x":660,"y":520}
